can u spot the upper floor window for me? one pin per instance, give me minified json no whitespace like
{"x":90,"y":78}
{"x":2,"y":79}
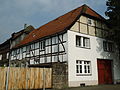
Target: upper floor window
{"x":82,"y":42}
{"x":108,"y":46}
{"x":28,"y":48}
{"x":48,"y":42}
{"x":42,"y":45}
{"x":83,"y":67}
{"x":36,"y":45}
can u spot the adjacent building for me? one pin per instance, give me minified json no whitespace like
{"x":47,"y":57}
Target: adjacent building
{"x":5,"y":48}
{"x":4,"y":52}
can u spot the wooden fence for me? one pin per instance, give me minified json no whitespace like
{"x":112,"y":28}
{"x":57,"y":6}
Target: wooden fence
{"x":26,"y":78}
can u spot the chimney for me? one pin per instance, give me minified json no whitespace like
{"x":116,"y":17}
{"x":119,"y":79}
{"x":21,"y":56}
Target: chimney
{"x":25,"y":26}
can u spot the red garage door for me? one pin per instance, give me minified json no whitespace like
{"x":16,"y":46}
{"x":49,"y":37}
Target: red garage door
{"x":104,"y":72}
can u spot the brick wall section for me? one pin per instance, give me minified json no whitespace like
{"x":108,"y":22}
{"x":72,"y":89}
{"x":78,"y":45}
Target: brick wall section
{"x":59,"y":75}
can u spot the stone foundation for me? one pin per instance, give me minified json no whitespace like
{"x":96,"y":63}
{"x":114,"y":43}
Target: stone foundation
{"x":59,"y":75}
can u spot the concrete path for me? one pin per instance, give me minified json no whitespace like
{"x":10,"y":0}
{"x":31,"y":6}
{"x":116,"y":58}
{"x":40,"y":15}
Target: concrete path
{"x":99,"y":87}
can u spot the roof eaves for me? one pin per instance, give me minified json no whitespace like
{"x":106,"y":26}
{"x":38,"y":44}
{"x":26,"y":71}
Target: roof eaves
{"x":19,"y":46}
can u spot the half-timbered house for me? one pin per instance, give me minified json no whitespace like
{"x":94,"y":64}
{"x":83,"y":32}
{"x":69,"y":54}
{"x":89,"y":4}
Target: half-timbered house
{"x":78,"y":39}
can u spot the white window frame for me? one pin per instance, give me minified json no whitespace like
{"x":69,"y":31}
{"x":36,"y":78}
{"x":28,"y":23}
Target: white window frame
{"x":83,"y":42}
{"x":83,"y":68}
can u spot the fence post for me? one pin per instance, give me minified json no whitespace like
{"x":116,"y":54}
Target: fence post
{"x":26,"y":76}
{"x":44,"y":78}
{"x":7,"y":80}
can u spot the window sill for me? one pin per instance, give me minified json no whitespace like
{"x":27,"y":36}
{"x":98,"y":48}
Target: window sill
{"x":83,"y":47}
{"x":83,"y":74}
{"x":109,"y":51}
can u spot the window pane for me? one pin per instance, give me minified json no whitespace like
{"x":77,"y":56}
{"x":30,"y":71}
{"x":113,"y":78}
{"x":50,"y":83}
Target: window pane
{"x":77,"y":68}
{"x":78,"y":41}
{"x":80,"y":68}
{"x":36,"y":45}
{"x":85,"y":69}
{"x":86,"y":42}
{"x":42,"y":45}
{"x":105,"y":46}
{"x":77,"y":61}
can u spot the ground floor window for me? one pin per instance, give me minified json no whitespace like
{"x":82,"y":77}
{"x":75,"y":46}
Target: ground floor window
{"x":83,"y":67}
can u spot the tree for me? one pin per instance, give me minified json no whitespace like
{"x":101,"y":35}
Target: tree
{"x":113,"y":12}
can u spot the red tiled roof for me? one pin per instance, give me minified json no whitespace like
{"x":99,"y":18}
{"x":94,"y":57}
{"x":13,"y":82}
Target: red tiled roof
{"x":60,"y":24}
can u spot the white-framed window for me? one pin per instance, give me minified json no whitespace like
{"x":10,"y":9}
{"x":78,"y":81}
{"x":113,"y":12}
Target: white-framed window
{"x":54,"y":40}
{"x":82,"y":42}
{"x":14,"y":52}
{"x":0,"y":56}
{"x":24,"y":49}
{"x":42,"y":45}
{"x":32,"y":46}
{"x":108,"y":46}
{"x":36,"y":45}
{"x":7,"y":55}
{"x":83,"y":67}
{"x":48,"y":42}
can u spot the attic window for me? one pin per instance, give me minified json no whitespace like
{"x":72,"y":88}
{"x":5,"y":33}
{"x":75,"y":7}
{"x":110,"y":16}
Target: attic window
{"x":89,"y":22}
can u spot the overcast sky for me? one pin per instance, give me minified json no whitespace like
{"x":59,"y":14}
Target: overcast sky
{"x":15,"y":13}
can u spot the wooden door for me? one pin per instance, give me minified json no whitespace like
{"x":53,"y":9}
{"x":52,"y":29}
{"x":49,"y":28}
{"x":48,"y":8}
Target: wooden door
{"x":104,"y":72}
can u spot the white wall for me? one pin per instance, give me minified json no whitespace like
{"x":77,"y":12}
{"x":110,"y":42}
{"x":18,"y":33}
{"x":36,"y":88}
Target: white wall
{"x":92,"y":54}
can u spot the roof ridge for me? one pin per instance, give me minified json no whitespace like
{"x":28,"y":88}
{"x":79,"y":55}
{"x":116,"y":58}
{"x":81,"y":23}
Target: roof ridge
{"x":84,"y":8}
{"x":94,"y":12}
